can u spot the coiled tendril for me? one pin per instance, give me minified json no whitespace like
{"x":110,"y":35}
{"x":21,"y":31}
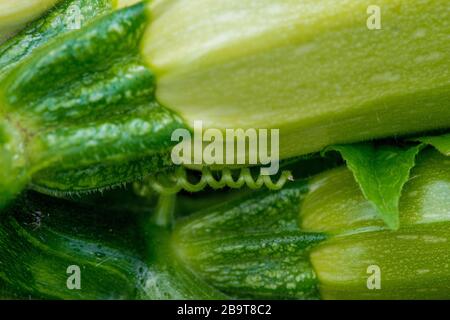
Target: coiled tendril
{"x":178,"y":181}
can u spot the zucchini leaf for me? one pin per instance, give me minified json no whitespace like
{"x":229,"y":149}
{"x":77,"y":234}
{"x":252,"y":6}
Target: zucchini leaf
{"x":441,"y":143}
{"x":381,"y":170}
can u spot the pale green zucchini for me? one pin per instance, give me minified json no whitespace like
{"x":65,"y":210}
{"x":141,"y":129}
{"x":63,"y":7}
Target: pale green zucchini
{"x":310,"y":68}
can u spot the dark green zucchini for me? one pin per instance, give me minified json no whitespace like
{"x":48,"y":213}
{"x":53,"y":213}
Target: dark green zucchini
{"x":42,"y":237}
{"x":14,"y":15}
{"x":79,"y":114}
{"x":54,"y":24}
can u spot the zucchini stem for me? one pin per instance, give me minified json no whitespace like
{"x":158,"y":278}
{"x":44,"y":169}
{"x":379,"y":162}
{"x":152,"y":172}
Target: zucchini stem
{"x":165,"y":211}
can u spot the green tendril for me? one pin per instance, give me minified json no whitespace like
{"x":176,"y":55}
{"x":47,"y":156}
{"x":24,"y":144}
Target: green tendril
{"x":173,"y":183}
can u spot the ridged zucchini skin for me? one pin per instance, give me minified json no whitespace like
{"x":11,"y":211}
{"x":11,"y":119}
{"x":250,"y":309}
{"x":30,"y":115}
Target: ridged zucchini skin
{"x":317,"y":240}
{"x":252,"y":247}
{"x":83,"y":106}
{"x":14,"y":15}
{"x":40,"y":239}
{"x":42,"y":236}
{"x":53,"y":24}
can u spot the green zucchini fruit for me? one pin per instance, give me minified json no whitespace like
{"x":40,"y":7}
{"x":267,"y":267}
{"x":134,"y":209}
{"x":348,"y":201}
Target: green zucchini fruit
{"x":60,"y":20}
{"x":99,"y":124}
{"x":252,"y":248}
{"x":311,"y":68}
{"x":42,"y":237}
{"x":318,"y":239}
{"x":14,"y":14}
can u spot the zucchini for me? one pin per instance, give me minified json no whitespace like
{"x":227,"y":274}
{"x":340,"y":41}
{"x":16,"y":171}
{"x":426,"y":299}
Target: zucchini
{"x":312,"y":69}
{"x":53,"y":24}
{"x":99,"y":126}
{"x":126,"y":3}
{"x":41,"y":237}
{"x":317,"y":240}
{"x":412,"y":260}
{"x":14,"y":14}
{"x":94,"y":108}
{"x":252,"y":248}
